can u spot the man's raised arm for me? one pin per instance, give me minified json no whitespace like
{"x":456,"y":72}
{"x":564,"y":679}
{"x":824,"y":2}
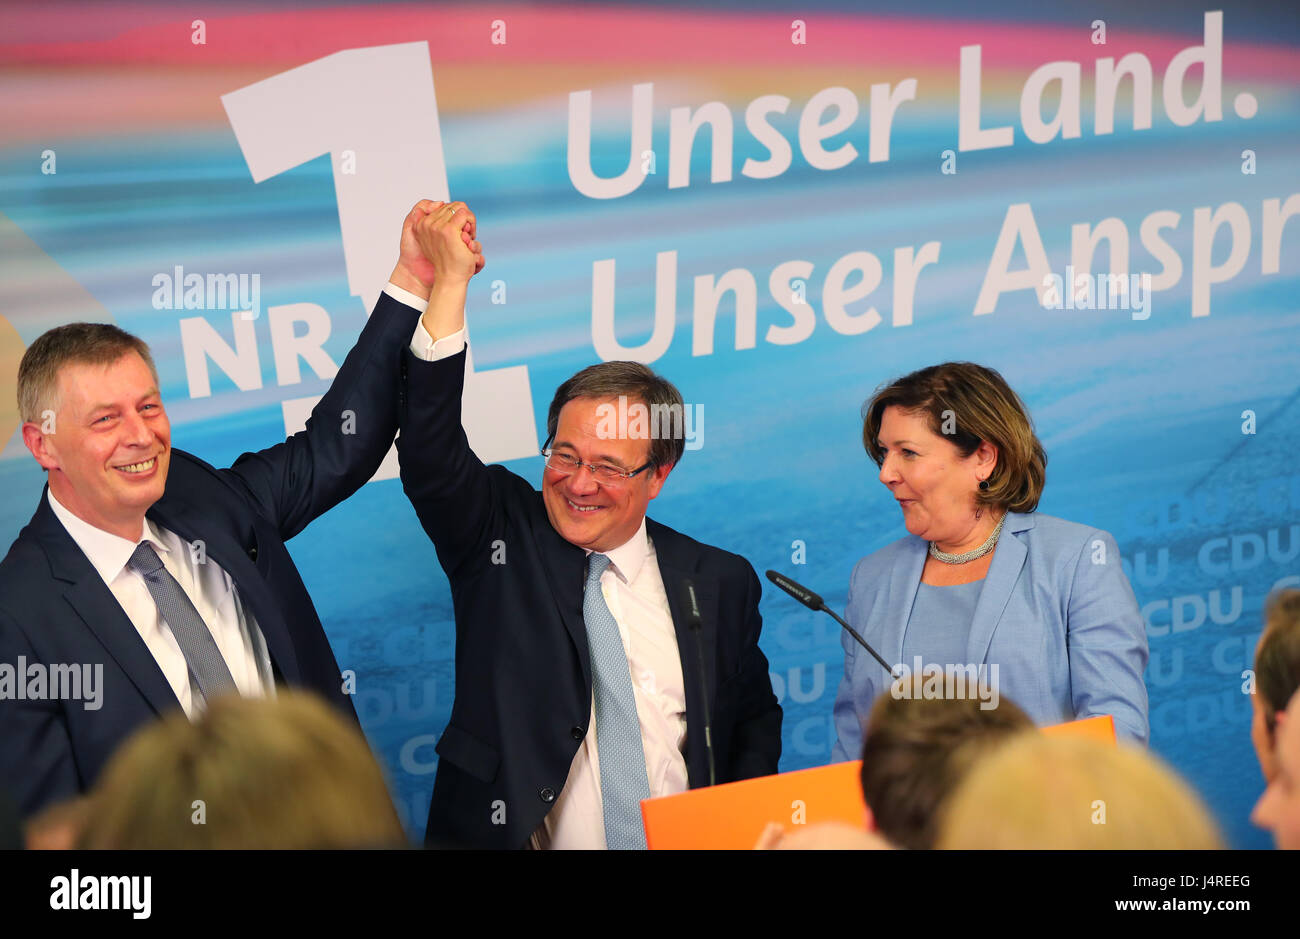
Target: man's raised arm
{"x":446,"y":482}
{"x":353,"y":425}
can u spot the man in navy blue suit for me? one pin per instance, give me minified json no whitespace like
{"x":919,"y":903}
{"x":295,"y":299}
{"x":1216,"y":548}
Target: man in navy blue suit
{"x":149,"y":580}
{"x":601,"y":658}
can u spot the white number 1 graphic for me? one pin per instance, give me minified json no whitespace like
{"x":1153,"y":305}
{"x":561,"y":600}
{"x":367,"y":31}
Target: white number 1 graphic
{"x":374,"y":112}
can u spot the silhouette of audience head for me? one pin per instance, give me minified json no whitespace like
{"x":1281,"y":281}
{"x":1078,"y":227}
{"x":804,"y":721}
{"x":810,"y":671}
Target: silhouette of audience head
{"x":1278,"y":808}
{"x":917,"y":750}
{"x":1277,"y":674}
{"x":288,"y":772}
{"x":1040,"y":791}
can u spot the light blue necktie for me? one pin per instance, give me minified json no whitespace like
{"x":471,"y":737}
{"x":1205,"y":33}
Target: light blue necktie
{"x":207,"y":667}
{"x":623,"y":779}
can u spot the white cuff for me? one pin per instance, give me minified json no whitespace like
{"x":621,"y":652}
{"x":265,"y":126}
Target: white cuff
{"x":423,"y":345}
{"x":405,"y":296}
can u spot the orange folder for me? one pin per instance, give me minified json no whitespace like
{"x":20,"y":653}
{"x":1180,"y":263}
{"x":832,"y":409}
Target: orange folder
{"x":1101,"y":729}
{"x":732,"y":816}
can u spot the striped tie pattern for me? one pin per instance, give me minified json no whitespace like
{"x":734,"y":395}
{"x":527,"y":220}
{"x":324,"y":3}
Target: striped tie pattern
{"x":207,"y":668}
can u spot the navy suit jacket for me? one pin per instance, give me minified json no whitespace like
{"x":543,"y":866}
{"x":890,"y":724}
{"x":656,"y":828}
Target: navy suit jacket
{"x":1056,"y":614}
{"x":56,"y":609}
{"x":523,"y":676}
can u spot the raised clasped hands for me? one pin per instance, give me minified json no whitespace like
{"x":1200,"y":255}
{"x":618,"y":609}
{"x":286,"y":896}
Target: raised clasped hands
{"x":439,"y":248}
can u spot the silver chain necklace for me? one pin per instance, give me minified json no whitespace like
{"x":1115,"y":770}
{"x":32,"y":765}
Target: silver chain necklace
{"x":974,"y":553}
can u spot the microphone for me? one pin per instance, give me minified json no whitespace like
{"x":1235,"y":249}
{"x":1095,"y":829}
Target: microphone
{"x":695,"y":622}
{"x":814,"y":602}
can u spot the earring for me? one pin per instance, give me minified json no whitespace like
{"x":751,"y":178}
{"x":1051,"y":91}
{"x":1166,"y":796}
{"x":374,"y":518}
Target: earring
{"x":984,"y":485}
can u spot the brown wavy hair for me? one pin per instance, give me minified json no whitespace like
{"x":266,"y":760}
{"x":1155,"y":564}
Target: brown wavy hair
{"x":979,"y":405}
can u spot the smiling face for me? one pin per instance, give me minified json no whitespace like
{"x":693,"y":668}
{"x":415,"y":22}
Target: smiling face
{"x":934,"y":484}
{"x":111,"y":446}
{"x":590,"y":514}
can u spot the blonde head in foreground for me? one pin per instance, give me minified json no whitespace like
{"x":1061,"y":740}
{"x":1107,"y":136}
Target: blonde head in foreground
{"x":1065,"y":792}
{"x":287,"y":772}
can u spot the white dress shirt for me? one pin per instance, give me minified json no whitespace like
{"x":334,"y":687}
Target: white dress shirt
{"x":422,"y":344}
{"x":634,"y":592}
{"x":209,"y":588}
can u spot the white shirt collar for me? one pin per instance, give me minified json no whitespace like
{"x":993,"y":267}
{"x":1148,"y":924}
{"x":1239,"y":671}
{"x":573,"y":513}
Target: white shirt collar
{"x":628,"y":557}
{"x":106,"y":552}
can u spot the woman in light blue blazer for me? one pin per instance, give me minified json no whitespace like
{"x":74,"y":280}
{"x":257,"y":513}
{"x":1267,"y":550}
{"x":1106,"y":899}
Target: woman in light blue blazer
{"x":983,"y":586}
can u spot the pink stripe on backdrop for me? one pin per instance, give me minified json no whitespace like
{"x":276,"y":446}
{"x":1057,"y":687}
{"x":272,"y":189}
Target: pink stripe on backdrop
{"x":635,"y":36}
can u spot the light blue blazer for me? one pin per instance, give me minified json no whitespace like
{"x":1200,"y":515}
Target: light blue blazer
{"x":1056,"y":614}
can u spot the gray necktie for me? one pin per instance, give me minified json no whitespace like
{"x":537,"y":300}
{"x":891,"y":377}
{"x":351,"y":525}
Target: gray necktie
{"x":623,"y":779}
{"x":207,"y":666}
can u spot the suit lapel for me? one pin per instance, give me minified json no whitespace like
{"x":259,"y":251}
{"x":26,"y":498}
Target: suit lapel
{"x":95,"y":605}
{"x":566,"y":569}
{"x":1004,"y":571}
{"x":905,"y":581}
{"x":688,"y":647}
{"x":220,"y":547}
{"x":678,"y":560}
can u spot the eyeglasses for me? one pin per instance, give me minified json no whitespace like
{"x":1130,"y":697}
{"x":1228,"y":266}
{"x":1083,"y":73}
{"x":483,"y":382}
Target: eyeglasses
{"x":566,"y":463}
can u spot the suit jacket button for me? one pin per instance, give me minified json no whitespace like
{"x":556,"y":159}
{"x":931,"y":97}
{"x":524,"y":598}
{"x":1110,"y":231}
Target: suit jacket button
{"x":576,"y":733}
{"x":252,"y":553}
{"x":547,"y":794}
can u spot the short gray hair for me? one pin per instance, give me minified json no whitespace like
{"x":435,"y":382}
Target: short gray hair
{"x":85,"y":343}
{"x":635,"y":381}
